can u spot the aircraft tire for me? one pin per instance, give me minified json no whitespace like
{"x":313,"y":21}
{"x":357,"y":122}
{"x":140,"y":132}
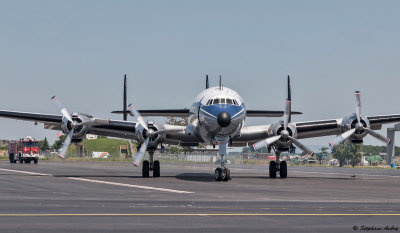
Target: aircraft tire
{"x":156,"y":169}
{"x":218,"y":174}
{"x":283,"y":169}
{"x":35,"y":160}
{"x":146,"y":169}
{"x":227,"y":174}
{"x":272,"y":169}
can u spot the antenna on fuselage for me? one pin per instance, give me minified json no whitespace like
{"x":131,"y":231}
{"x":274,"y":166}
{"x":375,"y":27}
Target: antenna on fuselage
{"x":207,"y":83}
{"x":220,"y":82}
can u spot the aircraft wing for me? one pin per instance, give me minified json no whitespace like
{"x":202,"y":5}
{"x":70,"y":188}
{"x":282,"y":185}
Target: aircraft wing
{"x":309,"y":129}
{"x":186,"y":113}
{"x":174,"y":135}
{"x":120,"y":129}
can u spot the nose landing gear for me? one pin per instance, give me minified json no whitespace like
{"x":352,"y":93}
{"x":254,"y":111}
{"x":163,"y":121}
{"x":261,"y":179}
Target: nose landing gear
{"x":222,"y":173}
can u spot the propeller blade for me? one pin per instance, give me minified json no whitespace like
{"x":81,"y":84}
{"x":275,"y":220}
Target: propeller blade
{"x":66,"y":144}
{"x":358,"y":106}
{"x":288,"y":110}
{"x":140,"y":154}
{"x":301,"y":146}
{"x":341,"y":137}
{"x":61,"y":107}
{"x":378,"y":136}
{"x":265,"y":142}
{"x":137,"y":116}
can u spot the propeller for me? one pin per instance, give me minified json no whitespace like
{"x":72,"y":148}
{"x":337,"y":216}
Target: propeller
{"x":74,"y":125}
{"x":359,"y":127}
{"x":149,"y":133}
{"x":284,"y":134}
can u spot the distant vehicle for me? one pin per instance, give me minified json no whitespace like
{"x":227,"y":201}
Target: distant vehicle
{"x":25,"y":150}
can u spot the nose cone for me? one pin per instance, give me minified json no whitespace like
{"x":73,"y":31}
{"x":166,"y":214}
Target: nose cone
{"x":224,"y":119}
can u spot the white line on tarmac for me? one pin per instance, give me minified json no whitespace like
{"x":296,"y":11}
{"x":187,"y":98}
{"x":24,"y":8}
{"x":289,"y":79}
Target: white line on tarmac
{"x":131,"y":185}
{"x":25,"y":172}
{"x":321,"y":173}
{"x":103,"y":182}
{"x":350,"y":174}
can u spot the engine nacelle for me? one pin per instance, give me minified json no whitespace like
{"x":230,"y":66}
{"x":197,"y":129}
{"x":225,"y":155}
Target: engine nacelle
{"x":79,"y":132}
{"x":155,"y":139}
{"x":349,"y":123}
{"x":283,"y":144}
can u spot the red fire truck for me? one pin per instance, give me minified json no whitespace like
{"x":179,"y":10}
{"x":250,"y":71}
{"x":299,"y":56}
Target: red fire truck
{"x":25,"y":150}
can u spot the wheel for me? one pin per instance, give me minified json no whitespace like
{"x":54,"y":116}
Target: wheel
{"x":227,"y":174}
{"x":27,"y":160}
{"x":21,"y":160}
{"x":11,"y":157}
{"x":272,"y":169}
{"x":283,"y":169}
{"x":36,"y":160}
{"x":218,"y":174}
{"x":156,"y":168}
{"x":146,"y":169}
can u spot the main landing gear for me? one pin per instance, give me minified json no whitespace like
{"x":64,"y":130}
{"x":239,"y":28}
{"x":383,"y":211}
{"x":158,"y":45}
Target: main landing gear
{"x":151,"y":166}
{"x":222,"y":173}
{"x":277,"y":166}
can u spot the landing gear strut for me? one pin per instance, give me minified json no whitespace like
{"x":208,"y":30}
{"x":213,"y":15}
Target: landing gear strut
{"x":151,"y":166}
{"x":278,"y":166}
{"x":222,"y":173}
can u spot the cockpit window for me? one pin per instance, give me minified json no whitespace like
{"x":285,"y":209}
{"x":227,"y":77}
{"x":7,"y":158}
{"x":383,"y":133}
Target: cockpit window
{"x":223,"y":101}
{"x":235,"y":102}
{"x":216,"y":101}
{"x":229,"y":101}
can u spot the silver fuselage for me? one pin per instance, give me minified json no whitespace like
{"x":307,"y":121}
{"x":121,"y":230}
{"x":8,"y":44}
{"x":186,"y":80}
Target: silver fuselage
{"x":207,"y":108}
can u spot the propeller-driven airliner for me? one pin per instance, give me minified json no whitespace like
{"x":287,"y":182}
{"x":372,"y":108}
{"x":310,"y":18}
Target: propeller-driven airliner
{"x":217,"y":117}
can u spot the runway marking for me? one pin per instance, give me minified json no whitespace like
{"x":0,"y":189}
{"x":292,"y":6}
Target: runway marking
{"x":25,"y":172}
{"x":192,"y":214}
{"x":321,"y":173}
{"x":131,"y":185}
{"x":350,"y":174}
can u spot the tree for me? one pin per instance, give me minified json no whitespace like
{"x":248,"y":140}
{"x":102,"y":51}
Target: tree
{"x":324,"y":154}
{"x":353,"y":153}
{"x":59,"y":143}
{"x":347,"y":152}
{"x":44,"y":145}
{"x":338,"y":152}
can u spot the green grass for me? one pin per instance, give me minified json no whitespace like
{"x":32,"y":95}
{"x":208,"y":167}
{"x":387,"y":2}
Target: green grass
{"x":110,"y":145}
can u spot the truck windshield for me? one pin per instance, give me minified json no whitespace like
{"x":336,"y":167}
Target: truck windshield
{"x":30,"y":144}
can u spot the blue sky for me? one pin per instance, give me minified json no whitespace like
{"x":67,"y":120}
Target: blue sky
{"x":79,"y":51}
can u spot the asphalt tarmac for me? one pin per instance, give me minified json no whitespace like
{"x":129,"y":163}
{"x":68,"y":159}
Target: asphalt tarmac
{"x":112,"y":197}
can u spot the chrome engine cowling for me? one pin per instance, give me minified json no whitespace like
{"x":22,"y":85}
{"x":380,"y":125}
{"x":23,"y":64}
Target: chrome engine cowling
{"x":79,"y":132}
{"x":155,"y":139}
{"x":283,"y":144}
{"x":350,"y":122}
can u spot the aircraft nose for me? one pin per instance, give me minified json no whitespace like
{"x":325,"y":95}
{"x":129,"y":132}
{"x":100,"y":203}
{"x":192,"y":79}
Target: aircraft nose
{"x":224,"y":119}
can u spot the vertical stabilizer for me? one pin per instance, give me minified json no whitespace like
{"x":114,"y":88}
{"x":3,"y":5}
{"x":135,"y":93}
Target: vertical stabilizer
{"x":125,"y":107}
